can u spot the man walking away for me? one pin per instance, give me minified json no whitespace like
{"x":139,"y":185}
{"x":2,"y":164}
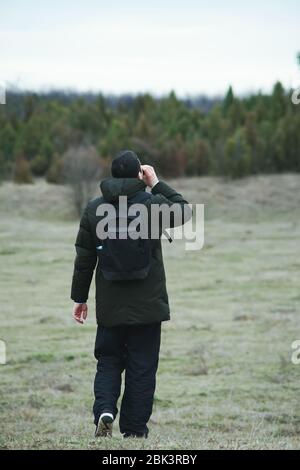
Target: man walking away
{"x":131,"y":301}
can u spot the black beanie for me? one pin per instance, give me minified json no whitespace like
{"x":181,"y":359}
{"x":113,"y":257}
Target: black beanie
{"x":125,"y":165}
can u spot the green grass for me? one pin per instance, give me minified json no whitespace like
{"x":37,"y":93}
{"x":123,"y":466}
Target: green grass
{"x":225,"y":377}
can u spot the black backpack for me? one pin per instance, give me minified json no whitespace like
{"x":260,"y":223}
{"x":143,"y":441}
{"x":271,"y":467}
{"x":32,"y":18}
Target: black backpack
{"x":125,"y":259}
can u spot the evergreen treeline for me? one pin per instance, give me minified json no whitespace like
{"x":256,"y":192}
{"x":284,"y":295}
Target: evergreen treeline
{"x":234,"y":136}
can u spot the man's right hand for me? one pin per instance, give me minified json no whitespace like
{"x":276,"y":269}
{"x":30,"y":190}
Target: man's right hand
{"x":148,"y":175}
{"x":80,"y":312}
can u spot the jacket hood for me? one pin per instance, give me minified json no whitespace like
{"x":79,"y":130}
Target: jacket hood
{"x":112,"y":188}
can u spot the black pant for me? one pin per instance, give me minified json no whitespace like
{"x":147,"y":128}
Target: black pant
{"x":134,"y":349}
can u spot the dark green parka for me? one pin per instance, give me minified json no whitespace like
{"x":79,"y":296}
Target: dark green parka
{"x":124,"y":302}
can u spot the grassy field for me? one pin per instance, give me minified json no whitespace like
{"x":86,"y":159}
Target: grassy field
{"x":225,"y":379}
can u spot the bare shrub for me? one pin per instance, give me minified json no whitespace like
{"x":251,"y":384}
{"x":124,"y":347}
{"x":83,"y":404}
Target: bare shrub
{"x":22,"y":173}
{"x":82,"y":167}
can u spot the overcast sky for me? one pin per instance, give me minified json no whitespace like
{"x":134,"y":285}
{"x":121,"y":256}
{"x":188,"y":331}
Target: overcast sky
{"x":192,"y":47}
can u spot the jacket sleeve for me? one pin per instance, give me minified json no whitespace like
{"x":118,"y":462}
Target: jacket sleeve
{"x":85,"y":261}
{"x":162,"y":193}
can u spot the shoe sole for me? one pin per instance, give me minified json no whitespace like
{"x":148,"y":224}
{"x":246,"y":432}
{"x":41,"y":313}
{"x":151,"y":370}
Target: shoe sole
{"x":105,"y":427}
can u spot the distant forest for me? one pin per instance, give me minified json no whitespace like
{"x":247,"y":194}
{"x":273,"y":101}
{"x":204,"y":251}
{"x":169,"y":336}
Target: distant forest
{"x":230,"y":136}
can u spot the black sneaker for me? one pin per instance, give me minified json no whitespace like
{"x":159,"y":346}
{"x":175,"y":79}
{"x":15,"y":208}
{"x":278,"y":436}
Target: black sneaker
{"x":105,"y":425}
{"x":128,"y":435}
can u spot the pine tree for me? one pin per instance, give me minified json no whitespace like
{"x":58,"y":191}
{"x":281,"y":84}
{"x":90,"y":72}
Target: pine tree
{"x":228,"y":100}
